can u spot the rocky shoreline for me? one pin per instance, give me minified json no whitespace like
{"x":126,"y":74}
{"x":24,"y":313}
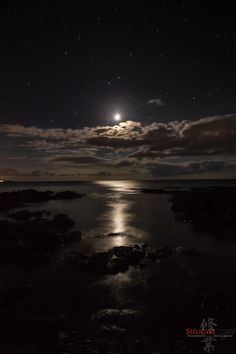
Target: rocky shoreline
{"x":56,"y":298}
{"x":19,"y":199}
{"x":211,"y":210}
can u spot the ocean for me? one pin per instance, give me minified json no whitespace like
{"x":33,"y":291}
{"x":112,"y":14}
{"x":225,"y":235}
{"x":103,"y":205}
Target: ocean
{"x":116,"y":213}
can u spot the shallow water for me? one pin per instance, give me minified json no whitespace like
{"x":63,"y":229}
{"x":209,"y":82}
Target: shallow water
{"x":118,"y":207}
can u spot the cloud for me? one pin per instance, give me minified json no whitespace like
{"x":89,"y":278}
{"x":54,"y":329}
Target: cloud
{"x":129,"y":145}
{"x":80,"y":159}
{"x":120,"y":143}
{"x":206,"y":136}
{"x":8,"y":171}
{"x":162,"y":169}
{"x":156,"y":101}
{"x":39,"y":173}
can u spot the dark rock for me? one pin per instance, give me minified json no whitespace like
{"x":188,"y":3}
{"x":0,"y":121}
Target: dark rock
{"x":211,"y":210}
{"x":116,"y":234}
{"x":144,"y":245}
{"x":132,"y":254}
{"x":142,"y":266}
{"x":154,"y":191}
{"x":72,"y":236}
{"x":66,"y":195}
{"x":77,"y":259}
{"x":117,"y":259}
{"x":17,"y":199}
{"x":62,"y":222}
{"x":98,"y":262}
{"x":33,"y":242}
{"x":17,"y":293}
{"x":33,"y":258}
{"x":117,"y":265}
{"x":185,"y":251}
{"x":113,"y":314}
{"x":152,"y":255}
{"x":163,"y":251}
{"x":26,"y":214}
{"x":160,"y":252}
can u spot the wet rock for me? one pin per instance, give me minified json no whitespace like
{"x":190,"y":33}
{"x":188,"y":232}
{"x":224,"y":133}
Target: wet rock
{"x":17,"y":199}
{"x":211,"y":210}
{"x":33,"y":242}
{"x":17,"y":293}
{"x":66,"y":195}
{"x":185,"y":251}
{"x":144,"y":245}
{"x":113,"y":314}
{"x":117,"y":265}
{"x":117,"y":259}
{"x":116,"y":234}
{"x":42,"y":330}
{"x":112,"y":330}
{"x":72,"y":236}
{"x":142,"y":266}
{"x":62,"y":222}
{"x":10,"y":252}
{"x":77,"y":259}
{"x":9,"y":231}
{"x":133,"y":254}
{"x":26,"y":214}
{"x":21,"y":215}
{"x":98,"y":262}
{"x":152,"y":255}
{"x":163,"y":251}
{"x":160,"y":252}
{"x":33,"y":258}
{"x":154,"y":191}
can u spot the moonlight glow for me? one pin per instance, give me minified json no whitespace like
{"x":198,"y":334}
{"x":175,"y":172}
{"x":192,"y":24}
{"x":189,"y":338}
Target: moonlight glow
{"x":117,"y":117}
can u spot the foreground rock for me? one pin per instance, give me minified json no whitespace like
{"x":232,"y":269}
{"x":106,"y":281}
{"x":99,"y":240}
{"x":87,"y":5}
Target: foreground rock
{"x":113,"y":314}
{"x":211,"y":210}
{"x":27,"y":214}
{"x":185,"y":251}
{"x":33,"y":242}
{"x":18,"y":199}
{"x":119,"y":259}
{"x":155,"y":191}
{"x":159,"y":252}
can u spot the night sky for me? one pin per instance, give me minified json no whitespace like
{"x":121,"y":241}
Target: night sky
{"x":168,"y":70}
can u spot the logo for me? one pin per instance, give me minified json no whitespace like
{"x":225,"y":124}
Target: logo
{"x":209,"y":332}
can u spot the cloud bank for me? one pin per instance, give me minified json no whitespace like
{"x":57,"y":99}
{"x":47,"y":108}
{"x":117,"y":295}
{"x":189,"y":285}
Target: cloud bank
{"x":176,"y":148}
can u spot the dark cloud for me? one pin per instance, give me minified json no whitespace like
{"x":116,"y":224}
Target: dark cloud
{"x":80,"y":159}
{"x":129,"y":145}
{"x":39,"y":173}
{"x":206,"y":136}
{"x":120,"y":143}
{"x":174,"y":170}
{"x":102,"y":174}
{"x":8,"y":171}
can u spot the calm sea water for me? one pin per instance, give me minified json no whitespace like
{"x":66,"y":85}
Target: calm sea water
{"x":119,"y":207}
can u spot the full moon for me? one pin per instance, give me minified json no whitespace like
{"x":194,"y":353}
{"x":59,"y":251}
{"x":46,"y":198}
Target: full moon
{"x":117,"y":117}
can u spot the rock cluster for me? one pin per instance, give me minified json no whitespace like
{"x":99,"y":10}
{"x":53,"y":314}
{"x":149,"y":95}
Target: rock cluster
{"x":119,"y":259}
{"x":18,"y":199}
{"x":32,"y":240}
